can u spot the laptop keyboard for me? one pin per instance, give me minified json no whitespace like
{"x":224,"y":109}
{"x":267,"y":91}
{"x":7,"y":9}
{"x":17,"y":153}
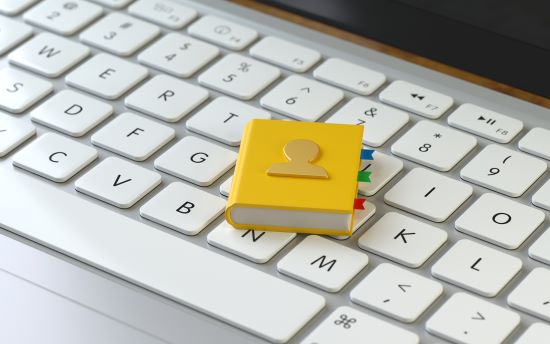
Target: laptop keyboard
{"x":190,"y":82}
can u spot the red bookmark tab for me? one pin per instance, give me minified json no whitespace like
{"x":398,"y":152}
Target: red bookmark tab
{"x":358,"y":203}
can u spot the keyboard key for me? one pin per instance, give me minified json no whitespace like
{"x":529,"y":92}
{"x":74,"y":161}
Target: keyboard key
{"x":166,"y":13}
{"x":49,"y":55}
{"x":222,"y":32}
{"x":417,"y":99}
{"x":536,"y":143}
{"x":106,"y":76}
{"x":224,"y":119}
{"x":256,"y":246}
{"x":434,"y":145}
{"x":63,"y":17}
{"x":13,"y":132}
{"x":119,"y":34}
{"x":500,"y":221}
{"x":468,"y":319}
{"x":54,"y":157}
{"x":71,"y":113}
{"x":166,"y":98}
{"x":183,"y":208}
{"x":349,"y":76}
{"x":539,"y":250}
{"x":133,"y":136}
{"x":380,"y":122}
{"x":225,"y":187}
{"x":534,"y":333}
{"x":114,"y":3}
{"x":396,"y":292}
{"x":178,"y":55}
{"x":383,"y":168}
{"x":347,"y":325}
{"x":532,"y":294}
{"x":301,"y":98}
{"x":18,"y":90}
{"x":503,"y":170}
{"x":118,"y":182}
{"x":13,"y":7}
{"x":542,"y":197}
{"x":161,"y":262}
{"x":403,"y":239}
{"x":294,"y":57}
{"x":476,"y":267}
{"x":322,"y":263}
{"x":485,"y":123}
{"x":196,"y":160}
{"x":428,"y":194}
{"x":359,"y":219}
{"x":12,"y":33}
{"x":239,"y":76}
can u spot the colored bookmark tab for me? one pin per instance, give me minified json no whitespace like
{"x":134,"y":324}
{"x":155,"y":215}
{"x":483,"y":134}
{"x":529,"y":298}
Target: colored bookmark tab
{"x":363,"y":176}
{"x":366,"y":154}
{"x":358,"y":204}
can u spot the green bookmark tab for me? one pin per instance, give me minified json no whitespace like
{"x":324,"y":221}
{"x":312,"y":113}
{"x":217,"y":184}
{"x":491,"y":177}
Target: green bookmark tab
{"x":363,"y":176}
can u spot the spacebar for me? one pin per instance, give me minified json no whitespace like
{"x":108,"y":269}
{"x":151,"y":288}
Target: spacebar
{"x":225,"y":289}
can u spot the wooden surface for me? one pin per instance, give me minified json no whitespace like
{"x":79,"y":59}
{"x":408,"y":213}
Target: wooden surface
{"x":360,"y":40}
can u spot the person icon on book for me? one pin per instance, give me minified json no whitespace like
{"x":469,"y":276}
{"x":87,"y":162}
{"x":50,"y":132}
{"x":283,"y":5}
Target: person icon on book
{"x":300,"y":153}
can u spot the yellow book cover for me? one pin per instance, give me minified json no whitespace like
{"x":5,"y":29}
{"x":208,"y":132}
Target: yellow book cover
{"x":296,"y":177}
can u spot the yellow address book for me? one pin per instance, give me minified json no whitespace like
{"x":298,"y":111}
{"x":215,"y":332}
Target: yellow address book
{"x":296,"y":177}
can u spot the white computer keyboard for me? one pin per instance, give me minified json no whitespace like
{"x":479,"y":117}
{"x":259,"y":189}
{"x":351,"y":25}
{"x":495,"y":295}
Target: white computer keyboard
{"x":141,"y":105}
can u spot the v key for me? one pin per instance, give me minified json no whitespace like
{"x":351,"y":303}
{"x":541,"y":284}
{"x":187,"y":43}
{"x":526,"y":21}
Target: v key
{"x":119,"y":182}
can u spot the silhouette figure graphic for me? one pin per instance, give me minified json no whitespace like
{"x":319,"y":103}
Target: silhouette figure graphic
{"x":300,"y":154}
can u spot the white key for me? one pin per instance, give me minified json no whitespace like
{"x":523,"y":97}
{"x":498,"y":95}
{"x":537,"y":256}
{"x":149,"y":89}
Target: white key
{"x":114,"y":3}
{"x":532,"y":294}
{"x":542,"y":197}
{"x":485,"y":123}
{"x":133,"y":136}
{"x":222,"y":32}
{"x":420,"y":100}
{"x":196,"y":160}
{"x":349,"y":76}
{"x":292,"y":56}
{"x":224,"y":119}
{"x":166,"y":13}
{"x":383,"y":168}
{"x":500,"y":221}
{"x":536,"y":143}
{"x":347,"y":325}
{"x":434,"y":145}
{"x":403,"y":239}
{"x":428,"y":194}
{"x":166,"y":98}
{"x":256,"y":246}
{"x":467,"y":319}
{"x":63,"y":17}
{"x":359,"y":219}
{"x":182,"y":271}
{"x":49,"y":54}
{"x":380,"y":122}
{"x":396,"y":292}
{"x":13,"y":132}
{"x":225,"y":187}
{"x":539,"y":250}
{"x":54,"y":157}
{"x":12,"y":33}
{"x":534,"y":333}
{"x":302,"y":98}
{"x":119,"y":34}
{"x":503,"y":170}
{"x":118,"y":182}
{"x":183,"y":208}
{"x":71,"y":113}
{"x":476,"y":267}
{"x":178,"y":55}
{"x":322,"y":263}
{"x":106,"y":76}
{"x":239,"y":76}
{"x":13,"y":7}
{"x":18,"y":90}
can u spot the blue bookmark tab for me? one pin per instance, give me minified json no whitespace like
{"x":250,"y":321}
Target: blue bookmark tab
{"x":366,"y":154}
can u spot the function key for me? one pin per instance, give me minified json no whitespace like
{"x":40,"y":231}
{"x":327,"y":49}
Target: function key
{"x":222,"y":32}
{"x":113,"y":3}
{"x":285,"y":54}
{"x":165,"y":13}
{"x":350,"y":76}
{"x":536,"y":143}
